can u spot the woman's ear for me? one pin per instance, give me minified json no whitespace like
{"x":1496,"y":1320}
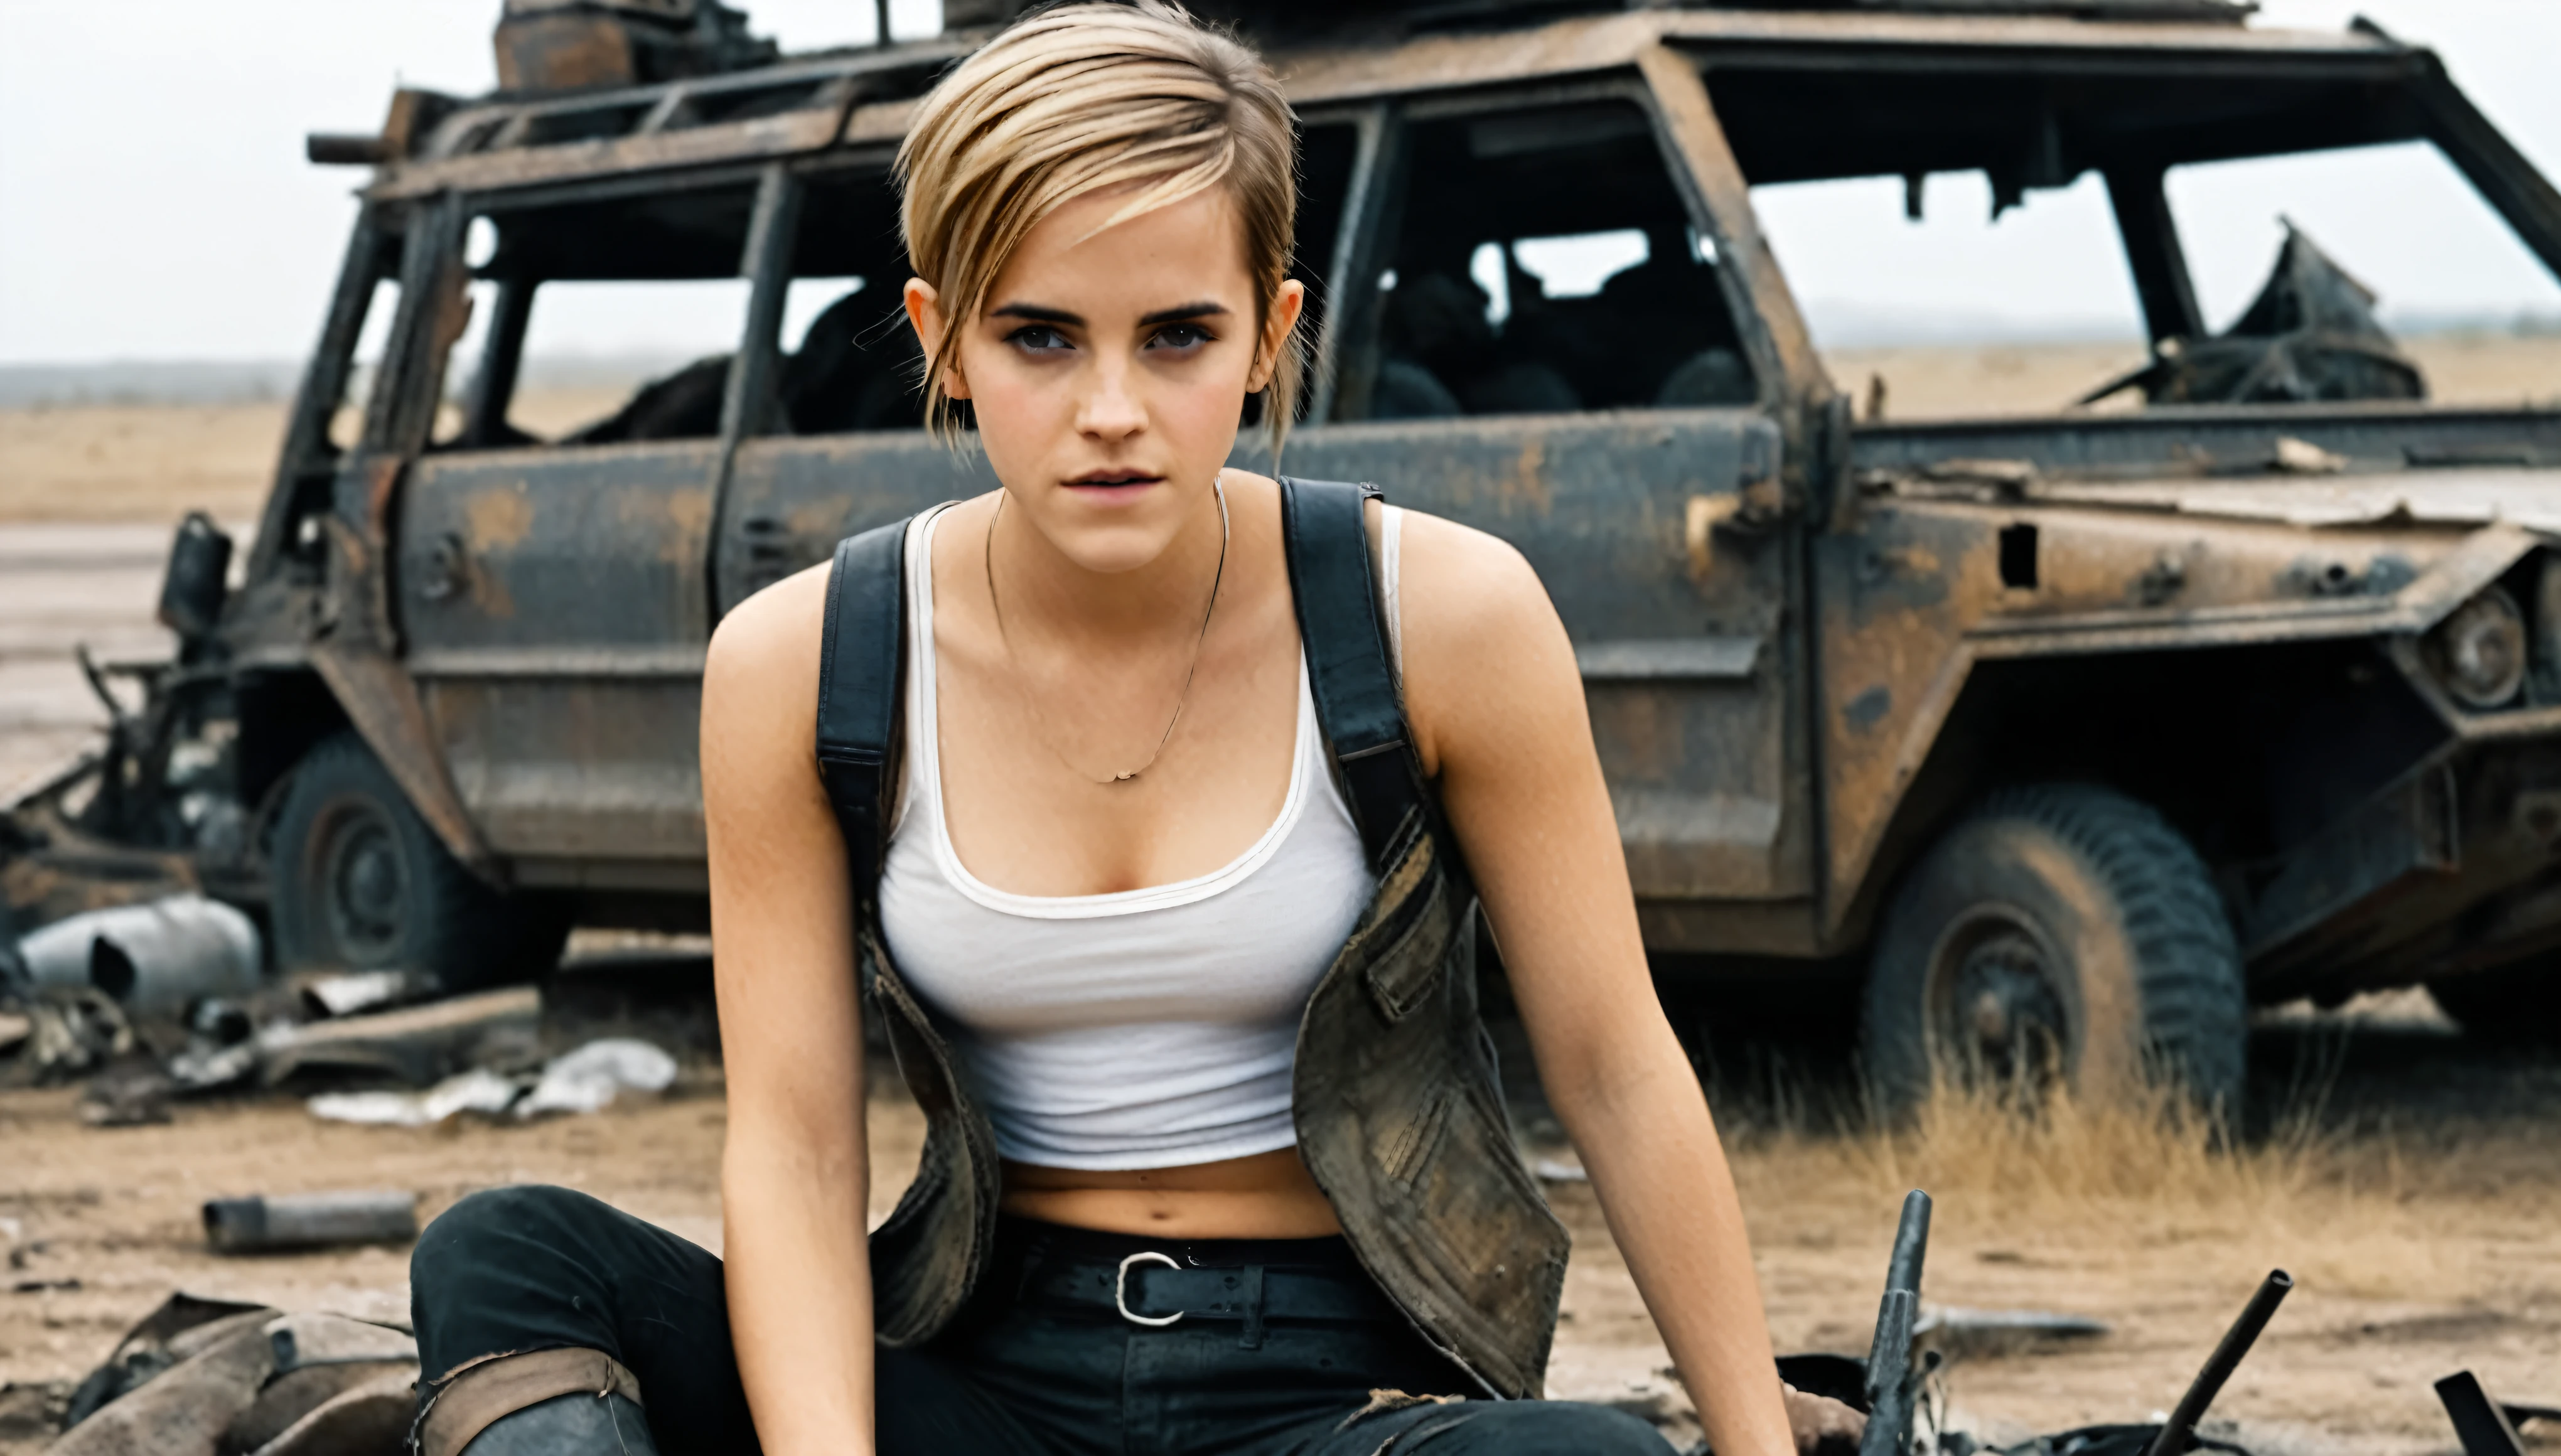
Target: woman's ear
{"x":1286,"y":304}
{"x":924,"y":315}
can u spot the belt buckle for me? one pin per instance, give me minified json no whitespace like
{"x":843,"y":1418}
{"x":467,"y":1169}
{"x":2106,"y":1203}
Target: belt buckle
{"x":1120,"y":1290}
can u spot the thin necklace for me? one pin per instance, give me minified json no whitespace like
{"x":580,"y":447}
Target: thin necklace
{"x":988,"y":562}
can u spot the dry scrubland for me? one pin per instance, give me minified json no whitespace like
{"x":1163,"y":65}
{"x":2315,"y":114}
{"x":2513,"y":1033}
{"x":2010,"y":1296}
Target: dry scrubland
{"x":153,"y":463}
{"x":142,"y":462}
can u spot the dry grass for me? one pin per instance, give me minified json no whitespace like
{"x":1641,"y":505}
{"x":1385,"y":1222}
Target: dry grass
{"x":2150,"y":1177}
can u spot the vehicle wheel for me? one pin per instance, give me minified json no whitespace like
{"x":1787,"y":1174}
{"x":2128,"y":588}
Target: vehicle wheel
{"x":2065,"y":931}
{"x":2516,"y":1005}
{"x":360,"y":883}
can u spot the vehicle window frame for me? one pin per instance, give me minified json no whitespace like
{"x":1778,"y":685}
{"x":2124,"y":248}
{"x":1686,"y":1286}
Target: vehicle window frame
{"x":310,"y":456}
{"x":768,"y":266}
{"x":480,"y":412}
{"x":1348,"y":354}
{"x":2441,"y":116}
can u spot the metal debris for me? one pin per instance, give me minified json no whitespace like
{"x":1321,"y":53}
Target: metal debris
{"x":591,"y":1078}
{"x":1963,"y":1333}
{"x":476,"y":1090}
{"x":133,"y":1093}
{"x":182,"y":1325}
{"x":354,"y":992}
{"x":260,"y":1224}
{"x":1565,"y":1169}
{"x":73,"y":1031}
{"x":585,"y":1080}
{"x":419,"y":1046}
{"x":2311,"y":336}
{"x":153,"y":958}
{"x":207,"y":1376}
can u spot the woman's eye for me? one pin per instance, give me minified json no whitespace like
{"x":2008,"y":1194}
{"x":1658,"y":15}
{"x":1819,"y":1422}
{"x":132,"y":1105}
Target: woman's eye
{"x":1179,"y":336}
{"x":1041,"y":339}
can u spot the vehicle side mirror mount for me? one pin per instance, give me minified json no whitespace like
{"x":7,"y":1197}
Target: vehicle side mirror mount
{"x":1828,"y":460}
{"x":198,"y":580}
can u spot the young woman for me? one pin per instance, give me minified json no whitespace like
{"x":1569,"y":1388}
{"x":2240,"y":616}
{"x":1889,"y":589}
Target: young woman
{"x":1195,"y":777}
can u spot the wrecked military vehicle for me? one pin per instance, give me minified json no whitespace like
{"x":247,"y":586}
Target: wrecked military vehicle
{"x":2056,"y":741}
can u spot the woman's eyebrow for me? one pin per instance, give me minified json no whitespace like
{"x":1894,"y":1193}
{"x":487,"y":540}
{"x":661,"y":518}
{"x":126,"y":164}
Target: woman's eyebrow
{"x":1037,"y":313}
{"x":1204,"y":309}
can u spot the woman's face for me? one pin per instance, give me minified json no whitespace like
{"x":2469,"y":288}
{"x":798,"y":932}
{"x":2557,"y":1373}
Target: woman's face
{"x":1107,"y":371}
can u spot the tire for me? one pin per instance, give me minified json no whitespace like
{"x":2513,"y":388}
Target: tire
{"x":360,"y":883}
{"x":2518,"y":1006}
{"x":2062,"y":931}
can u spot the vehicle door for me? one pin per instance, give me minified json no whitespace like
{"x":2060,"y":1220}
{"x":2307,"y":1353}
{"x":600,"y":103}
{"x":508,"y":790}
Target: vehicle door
{"x":1537,"y":339}
{"x":553,"y":541}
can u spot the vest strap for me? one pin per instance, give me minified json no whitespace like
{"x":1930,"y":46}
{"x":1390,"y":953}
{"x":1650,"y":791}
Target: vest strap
{"x":861,"y":670}
{"x":1357,"y":702}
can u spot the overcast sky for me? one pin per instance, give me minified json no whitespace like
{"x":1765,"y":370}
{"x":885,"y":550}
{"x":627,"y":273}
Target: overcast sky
{"x":154,"y":204}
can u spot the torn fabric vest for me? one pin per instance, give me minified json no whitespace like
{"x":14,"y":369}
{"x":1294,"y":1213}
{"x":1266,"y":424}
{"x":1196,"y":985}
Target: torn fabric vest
{"x":1399,"y":1111}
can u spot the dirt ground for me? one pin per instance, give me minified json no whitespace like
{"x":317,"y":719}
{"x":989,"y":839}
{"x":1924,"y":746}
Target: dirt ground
{"x":2410,"y":1180}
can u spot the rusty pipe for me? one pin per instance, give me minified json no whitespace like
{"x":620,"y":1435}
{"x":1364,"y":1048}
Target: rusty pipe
{"x":2227,"y":1357}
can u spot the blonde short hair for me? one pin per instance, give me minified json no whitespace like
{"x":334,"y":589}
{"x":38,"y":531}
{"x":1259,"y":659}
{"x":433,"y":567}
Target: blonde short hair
{"x":1077,"y":98}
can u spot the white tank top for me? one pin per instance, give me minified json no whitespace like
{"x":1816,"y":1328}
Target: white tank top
{"x":1149,"y":1027}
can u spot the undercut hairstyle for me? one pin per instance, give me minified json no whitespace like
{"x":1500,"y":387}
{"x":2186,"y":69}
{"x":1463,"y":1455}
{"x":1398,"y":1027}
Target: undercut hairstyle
{"x":1078,"y":98}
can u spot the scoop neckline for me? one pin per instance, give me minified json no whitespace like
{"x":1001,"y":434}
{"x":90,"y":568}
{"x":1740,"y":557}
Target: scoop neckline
{"x":947,"y":855}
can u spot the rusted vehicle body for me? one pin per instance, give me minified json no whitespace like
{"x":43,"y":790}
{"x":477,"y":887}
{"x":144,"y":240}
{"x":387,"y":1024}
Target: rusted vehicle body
{"x":2064,"y":737}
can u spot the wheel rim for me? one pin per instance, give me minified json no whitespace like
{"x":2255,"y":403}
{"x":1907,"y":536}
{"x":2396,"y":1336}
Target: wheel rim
{"x":362,"y":881}
{"x":1996,"y":1018}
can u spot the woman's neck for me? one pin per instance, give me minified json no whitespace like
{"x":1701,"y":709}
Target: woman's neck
{"x":1047,"y":596}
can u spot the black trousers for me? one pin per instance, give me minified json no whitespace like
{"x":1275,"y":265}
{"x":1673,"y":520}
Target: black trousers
{"x":1283,"y":1348}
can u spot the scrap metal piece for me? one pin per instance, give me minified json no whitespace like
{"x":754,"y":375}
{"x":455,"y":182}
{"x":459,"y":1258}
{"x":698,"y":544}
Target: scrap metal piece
{"x":310,"y":1338}
{"x":256,"y":1225}
{"x":1890,"y":1382}
{"x":2311,"y":336}
{"x":1956,"y":1332}
{"x":183,"y":1326}
{"x":2479,"y":1424}
{"x":373,"y":1416}
{"x":153,"y":958}
{"x":2227,"y":1357}
{"x":420,"y":1045}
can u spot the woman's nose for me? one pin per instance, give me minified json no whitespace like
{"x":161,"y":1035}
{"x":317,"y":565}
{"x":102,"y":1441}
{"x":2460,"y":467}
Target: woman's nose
{"x":1110,"y":409}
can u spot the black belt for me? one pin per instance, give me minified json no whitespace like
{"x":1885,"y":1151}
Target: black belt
{"x":1155,"y":1289}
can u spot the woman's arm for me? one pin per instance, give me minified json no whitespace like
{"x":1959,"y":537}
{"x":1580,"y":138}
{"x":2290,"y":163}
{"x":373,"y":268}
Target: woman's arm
{"x":795,"y":1180}
{"x":1496,"y":705}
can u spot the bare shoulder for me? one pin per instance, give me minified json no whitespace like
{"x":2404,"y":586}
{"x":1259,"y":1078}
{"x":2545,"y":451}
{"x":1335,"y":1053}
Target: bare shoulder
{"x":1486,"y":656}
{"x":761,"y":672}
{"x":1456,"y":583}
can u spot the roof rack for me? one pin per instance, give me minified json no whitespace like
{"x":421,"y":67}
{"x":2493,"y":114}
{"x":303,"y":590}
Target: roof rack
{"x":1276,"y":18}
{"x":2232,"y":12}
{"x":583,"y":45}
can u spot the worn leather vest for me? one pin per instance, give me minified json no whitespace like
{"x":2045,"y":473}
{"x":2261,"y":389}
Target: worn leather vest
{"x":1399,"y":1109}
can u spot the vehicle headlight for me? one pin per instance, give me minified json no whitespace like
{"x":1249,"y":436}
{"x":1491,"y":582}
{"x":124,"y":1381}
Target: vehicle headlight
{"x":2478,"y":654}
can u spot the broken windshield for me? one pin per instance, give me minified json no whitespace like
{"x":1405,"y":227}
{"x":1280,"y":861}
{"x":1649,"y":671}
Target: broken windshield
{"x":2015,"y":244}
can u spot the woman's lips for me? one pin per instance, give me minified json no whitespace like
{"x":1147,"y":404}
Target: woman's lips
{"x":1102,"y":488}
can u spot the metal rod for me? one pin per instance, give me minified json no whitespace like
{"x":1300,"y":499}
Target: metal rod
{"x":2227,"y":1357}
{"x":1889,"y":1354}
{"x":1911,"y":1244}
